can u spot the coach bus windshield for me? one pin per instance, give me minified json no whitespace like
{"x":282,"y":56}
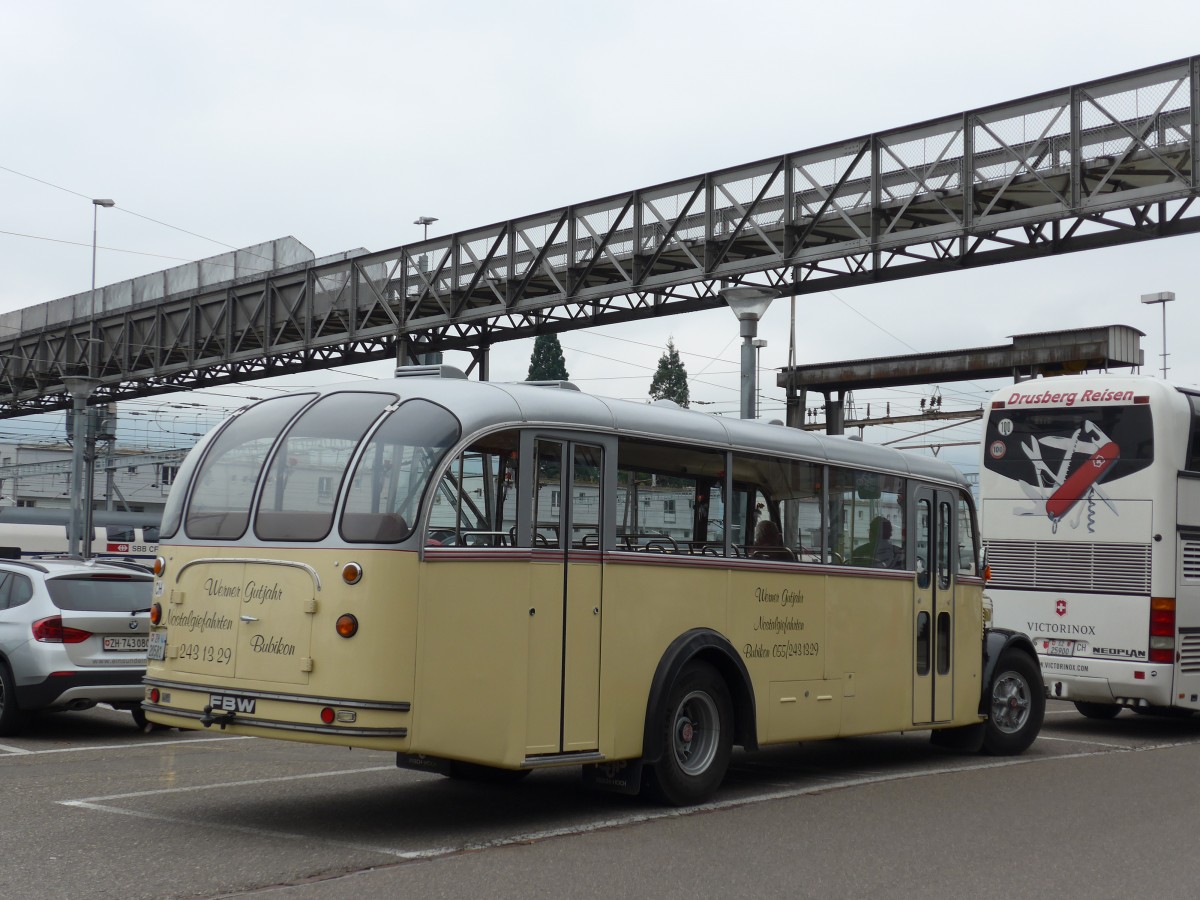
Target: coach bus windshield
{"x":299,"y":477}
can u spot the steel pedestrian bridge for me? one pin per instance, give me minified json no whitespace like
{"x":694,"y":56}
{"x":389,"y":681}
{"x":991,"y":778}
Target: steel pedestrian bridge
{"x":1088,"y":166}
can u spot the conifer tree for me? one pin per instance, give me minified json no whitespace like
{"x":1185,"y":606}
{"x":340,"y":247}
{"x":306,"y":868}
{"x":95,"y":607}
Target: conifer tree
{"x":546,"y":363}
{"x":670,"y":380}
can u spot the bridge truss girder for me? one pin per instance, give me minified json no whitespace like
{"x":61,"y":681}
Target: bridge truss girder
{"x":1094,"y":165}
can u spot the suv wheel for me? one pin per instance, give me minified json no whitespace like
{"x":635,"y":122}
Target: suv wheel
{"x":12,"y":717}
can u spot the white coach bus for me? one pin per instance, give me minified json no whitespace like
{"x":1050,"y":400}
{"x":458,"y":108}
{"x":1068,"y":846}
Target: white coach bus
{"x":1090,"y":510}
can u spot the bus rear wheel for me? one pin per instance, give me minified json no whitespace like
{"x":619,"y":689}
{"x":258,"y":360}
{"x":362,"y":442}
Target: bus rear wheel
{"x":696,"y":726}
{"x":1015,"y":708}
{"x":1097,"y":710}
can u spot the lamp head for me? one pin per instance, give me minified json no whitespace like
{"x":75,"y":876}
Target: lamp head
{"x":1160,"y":297}
{"x":749,"y":302}
{"x":105,"y":203}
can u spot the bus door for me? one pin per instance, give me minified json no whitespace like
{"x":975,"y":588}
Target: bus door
{"x":933,"y":606}
{"x":565,"y":604}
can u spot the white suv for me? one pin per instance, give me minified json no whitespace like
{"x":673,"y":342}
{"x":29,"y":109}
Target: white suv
{"x":72,"y":634}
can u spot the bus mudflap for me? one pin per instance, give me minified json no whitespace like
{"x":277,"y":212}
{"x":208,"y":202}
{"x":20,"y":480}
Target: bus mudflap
{"x":620,"y":777}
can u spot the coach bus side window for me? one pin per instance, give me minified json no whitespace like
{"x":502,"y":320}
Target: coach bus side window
{"x":1193,"y":458}
{"x":313,"y":454}
{"x":968,"y":554}
{"x":220,"y":500}
{"x":790,"y":498}
{"x":475,"y":502}
{"x":866,"y":519}
{"x":668,"y":498}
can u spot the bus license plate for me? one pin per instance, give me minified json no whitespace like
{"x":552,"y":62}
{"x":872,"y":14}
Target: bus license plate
{"x":158,"y":645}
{"x":126,"y":643}
{"x":1058,"y":648}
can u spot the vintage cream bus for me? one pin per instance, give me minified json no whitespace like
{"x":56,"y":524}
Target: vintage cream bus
{"x":494,"y":578}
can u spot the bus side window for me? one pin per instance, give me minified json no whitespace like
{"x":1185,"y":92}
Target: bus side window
{"x":924,"y":543}
{"x":967,"y":553}
{"x":475,"y":502}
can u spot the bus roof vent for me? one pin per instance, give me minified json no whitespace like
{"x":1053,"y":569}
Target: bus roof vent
{"x":562,"y":385}
{"x":429,"y":372}
{"x":663,"y":401}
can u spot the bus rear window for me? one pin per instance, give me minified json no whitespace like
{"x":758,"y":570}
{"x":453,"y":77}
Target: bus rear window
{"x":309,"y":464}
{"x":1043,"y":447}
{"x":384,"y":494}
{"x":220,"y":500}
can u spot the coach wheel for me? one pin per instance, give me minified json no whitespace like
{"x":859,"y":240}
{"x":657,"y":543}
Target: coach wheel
{"x":1016,"y":708}
{"x":697,"y":738}
{"x":1097,"y":710}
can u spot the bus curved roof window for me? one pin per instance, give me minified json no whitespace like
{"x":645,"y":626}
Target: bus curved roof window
{"x":172,"y":515}
{"x":309,"y":465}
{"x":224,"y":486}
{"x":384,"y":496}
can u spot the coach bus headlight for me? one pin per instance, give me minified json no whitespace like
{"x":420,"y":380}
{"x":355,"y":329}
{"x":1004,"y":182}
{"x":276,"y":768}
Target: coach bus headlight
{"x":352,"y":573}
{"x":347,"y":625}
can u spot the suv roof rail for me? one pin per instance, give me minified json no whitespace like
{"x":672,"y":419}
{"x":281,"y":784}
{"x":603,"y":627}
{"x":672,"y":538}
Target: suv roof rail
{"x":24,"y":562}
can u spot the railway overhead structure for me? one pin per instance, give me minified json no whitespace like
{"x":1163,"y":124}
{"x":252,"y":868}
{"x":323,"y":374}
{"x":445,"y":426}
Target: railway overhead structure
{"x":1088,"y":166}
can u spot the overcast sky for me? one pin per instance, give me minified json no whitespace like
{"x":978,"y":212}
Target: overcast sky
{"x":339,"y":124}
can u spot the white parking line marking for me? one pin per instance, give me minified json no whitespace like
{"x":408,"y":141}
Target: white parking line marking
{"x":18,"y":750}
{"x":1042,"y":737}
{"x":95,"y":804}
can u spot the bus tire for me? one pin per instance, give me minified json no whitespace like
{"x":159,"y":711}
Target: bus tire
{"x":12,"y":718}
{"x":1015,"y":706}
{"x":1097,"y":710}
{"x":696,"y":724}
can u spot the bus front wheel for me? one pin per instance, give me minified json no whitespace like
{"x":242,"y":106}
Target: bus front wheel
{"x":696,"y":725}
{"x":1016,"y":707}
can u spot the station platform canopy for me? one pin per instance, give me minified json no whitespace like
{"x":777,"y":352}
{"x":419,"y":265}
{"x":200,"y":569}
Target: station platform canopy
{"x":1029,"y":355}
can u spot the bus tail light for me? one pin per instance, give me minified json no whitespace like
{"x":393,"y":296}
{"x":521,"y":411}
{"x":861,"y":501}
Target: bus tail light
{"x":1162,"y":630}
{"x":352,"y":573}
{"x":155,"y":613}
{"x":347,"y":625}
{"x":160,"y":566}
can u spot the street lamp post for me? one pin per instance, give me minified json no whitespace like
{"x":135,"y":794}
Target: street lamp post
{"x":749,"y":303}
{"x":426,"y":221}
{"x":80,"y":388}
{"x":759,"y":343}
{"x":1162,"y":297}
{"x":96,"y":204}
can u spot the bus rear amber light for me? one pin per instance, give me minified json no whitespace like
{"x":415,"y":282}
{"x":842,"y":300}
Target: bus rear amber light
{"x":347,"y":625}
{"x":327,"y":715}
{"x":155,"y":613}
{"x":160,"y":565}
{"x":352,"y":573}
